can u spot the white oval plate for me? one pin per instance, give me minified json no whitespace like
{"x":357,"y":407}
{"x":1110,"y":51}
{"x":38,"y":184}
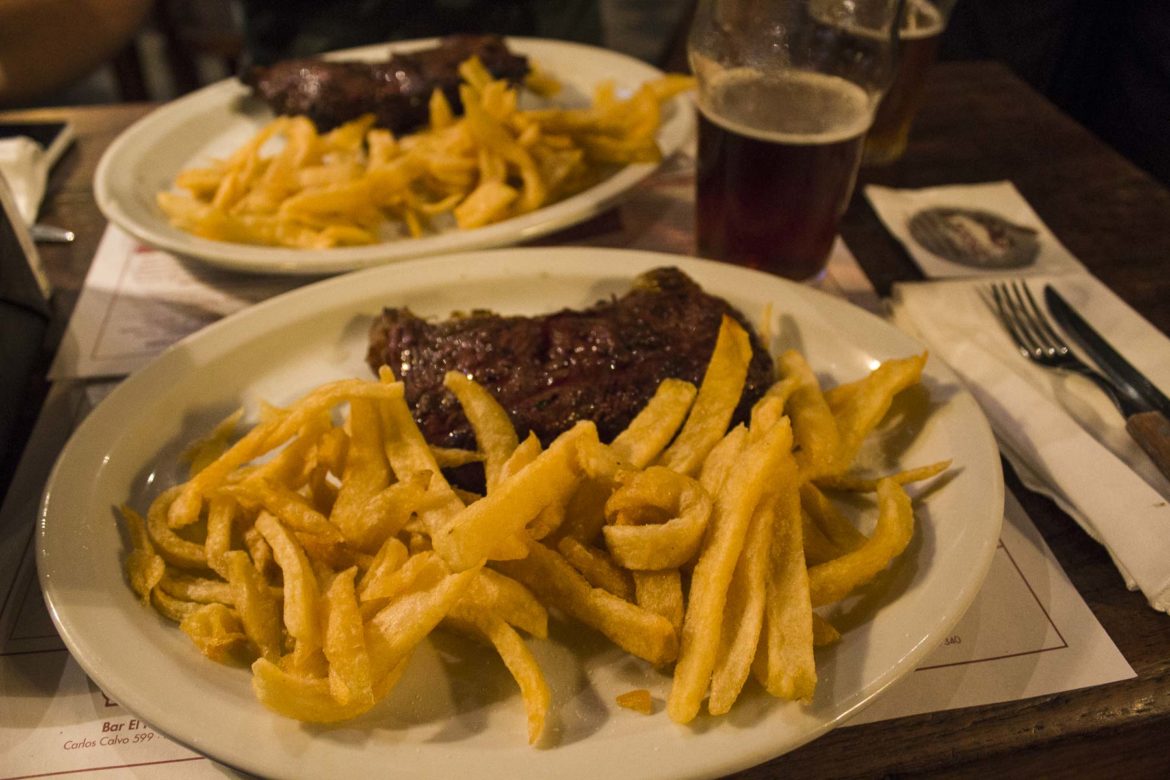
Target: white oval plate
{"x":456,"y":711}
{"x":216,"y":120}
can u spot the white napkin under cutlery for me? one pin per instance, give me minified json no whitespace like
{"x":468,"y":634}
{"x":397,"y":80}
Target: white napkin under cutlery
{"x":1060,"y":432}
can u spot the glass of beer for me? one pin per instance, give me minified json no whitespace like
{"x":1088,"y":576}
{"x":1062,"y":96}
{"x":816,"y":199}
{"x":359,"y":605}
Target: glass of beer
{"x":786,"y":91}
{"x":921,"y":32}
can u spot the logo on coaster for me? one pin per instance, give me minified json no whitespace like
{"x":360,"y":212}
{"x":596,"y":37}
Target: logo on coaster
{"x":974,"y":238}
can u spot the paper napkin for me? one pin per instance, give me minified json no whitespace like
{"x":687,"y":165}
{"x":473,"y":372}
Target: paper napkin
{"x":25,"y":168}
{"x":1061,"y":433}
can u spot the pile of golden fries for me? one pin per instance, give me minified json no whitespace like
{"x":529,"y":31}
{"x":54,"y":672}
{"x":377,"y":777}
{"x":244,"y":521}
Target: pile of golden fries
{"x":292,"y":186}
{"x":325,"y":544}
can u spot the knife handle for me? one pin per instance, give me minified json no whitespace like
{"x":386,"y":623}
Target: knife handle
{"x":1152,"y":431}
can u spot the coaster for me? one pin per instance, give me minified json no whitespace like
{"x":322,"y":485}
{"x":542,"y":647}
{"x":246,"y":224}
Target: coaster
{"x":974,"y":237}
{"x":970,"y":230}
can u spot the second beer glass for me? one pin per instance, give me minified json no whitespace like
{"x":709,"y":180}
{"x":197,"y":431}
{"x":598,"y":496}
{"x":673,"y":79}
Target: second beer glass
{"x":787,"y":91}
{"x":923,"y":22}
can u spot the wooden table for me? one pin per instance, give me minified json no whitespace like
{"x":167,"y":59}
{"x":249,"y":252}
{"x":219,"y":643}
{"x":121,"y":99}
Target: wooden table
{"x":979,"y":123}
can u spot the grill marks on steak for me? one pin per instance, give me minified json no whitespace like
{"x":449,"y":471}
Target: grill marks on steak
{"x":602,"y":363}
{"x":396,"y":91}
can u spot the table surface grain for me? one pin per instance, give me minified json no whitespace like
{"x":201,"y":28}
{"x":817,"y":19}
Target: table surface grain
{"x":978,"y":123}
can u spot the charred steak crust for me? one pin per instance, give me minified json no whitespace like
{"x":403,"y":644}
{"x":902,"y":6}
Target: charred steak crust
{"x":602,"y":363}
{"x":396,"y":91}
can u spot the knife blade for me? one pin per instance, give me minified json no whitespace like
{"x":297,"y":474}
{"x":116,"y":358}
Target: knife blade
{"x":1104,"y":355}
{"x":1150,"y":426}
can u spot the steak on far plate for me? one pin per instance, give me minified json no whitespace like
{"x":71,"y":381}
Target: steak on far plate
{"x":397,"y":90}
{"x":602,"y":363}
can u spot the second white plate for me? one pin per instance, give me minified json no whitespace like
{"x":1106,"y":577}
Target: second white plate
{"x":214,"y":121}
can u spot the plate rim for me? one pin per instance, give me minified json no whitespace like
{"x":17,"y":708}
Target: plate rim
{"x":880,"y":682}
{"x":290,"y":261}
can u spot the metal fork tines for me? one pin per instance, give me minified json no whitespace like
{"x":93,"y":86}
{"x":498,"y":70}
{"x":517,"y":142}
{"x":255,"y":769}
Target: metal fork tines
{"x":1038,"y":341}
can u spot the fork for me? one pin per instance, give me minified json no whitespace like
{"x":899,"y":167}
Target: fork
{"x":1038,"y":341}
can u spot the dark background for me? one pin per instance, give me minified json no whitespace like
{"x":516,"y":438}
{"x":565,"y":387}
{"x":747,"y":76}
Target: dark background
{"x":1106,"y":63}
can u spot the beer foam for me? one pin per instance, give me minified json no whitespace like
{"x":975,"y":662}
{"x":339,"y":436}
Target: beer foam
{"x":793,"y":107}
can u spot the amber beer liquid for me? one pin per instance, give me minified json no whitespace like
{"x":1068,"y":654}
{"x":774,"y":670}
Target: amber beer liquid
{"x":920,"y":38}
{"x":778,"y":157}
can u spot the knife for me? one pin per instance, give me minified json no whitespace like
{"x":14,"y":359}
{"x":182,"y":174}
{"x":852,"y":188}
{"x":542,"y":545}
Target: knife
{"x":1150,"y":424}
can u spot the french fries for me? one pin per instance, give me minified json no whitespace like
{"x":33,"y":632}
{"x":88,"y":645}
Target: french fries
{"x":291,"y":186}
{"x":323,"y":545}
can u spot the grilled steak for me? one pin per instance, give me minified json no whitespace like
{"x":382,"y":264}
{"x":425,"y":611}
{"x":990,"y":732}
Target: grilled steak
{"x":602,"y":363}
{"x":395,"y":91}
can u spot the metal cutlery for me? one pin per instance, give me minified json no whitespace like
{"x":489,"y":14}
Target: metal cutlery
{"x":51,"y":234}
{"x":1111,"y":363}
{"x":1142,"y":404}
